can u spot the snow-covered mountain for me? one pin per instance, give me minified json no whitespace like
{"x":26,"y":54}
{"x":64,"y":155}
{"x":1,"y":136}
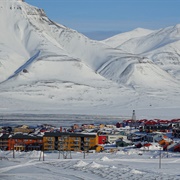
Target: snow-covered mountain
{"x":45,"y":65}
{"x":119,"y":39}
{"x":161,"y":46}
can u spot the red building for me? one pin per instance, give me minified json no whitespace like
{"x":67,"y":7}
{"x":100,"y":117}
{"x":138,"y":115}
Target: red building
{"x":102,"y":139}
{"x":25,"y":142}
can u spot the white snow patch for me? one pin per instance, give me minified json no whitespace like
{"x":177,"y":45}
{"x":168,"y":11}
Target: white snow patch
{"x":105,"y":158}
{"x":81,"y":164}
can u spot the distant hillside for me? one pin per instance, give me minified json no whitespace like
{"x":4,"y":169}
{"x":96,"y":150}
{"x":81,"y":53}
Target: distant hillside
{"x":45,"y":65}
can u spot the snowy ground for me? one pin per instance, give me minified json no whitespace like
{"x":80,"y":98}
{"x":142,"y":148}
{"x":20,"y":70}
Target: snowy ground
{"x":72,"y":74}
{"x":124,"y":164}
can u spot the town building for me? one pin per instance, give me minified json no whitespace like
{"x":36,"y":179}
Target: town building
{"x":69,"y":141}
{"x":25,"y":142}
{"x":4,"y":141}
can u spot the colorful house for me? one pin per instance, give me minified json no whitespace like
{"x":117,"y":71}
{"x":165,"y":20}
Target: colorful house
{"x":4,"y":141}
{"x":69,"y":141}
{"x":102,"y":139}
{"x":24,"y":142}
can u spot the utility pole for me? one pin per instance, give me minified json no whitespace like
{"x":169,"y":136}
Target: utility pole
{"x":42,"y":152}
{"x":84,"y":154}
{"x":61,"y":142}
{"x":160,"y":159}
{"x":85,"y":146}
{"x":40,"y":155}
{"x":63,"y":147}
{"x":13,"y":152}
{"x":12,"y":147}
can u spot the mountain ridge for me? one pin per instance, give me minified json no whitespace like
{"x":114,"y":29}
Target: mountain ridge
{"x":74,"y":71}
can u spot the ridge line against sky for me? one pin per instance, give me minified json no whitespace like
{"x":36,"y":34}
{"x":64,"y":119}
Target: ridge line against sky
{"x":100,"y":19}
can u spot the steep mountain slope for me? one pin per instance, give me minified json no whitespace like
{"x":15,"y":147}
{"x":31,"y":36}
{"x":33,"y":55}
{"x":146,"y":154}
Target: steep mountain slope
{"x":31,"y":30}
{"x":59,"y":73}
{"x":137,"y":73}
{"x":161,"y":46}
{"x":53,"y":66}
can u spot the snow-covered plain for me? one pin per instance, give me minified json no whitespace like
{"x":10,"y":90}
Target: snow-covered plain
{"x":124,"y":164}
{"x":76,"y":75}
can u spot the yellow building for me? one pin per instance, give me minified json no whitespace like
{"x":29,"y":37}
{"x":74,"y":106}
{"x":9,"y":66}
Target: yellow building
{"x":48,"y":143}
{"x":69,"y":141}
{"x":23,"y":130}
{"x":101,"y":126}
{"x":99,"y":148}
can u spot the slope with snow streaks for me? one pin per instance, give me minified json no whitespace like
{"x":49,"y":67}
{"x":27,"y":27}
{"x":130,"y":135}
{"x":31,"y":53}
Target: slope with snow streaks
{"x":137,"y":73}
{"x":153,"y":40}
{"x":167,"y":58}
{"x":73,"y":71}
{"x":18,"y":42}
{"x":58,"y":60}
{"x":23,"y":67}
{"x":119,"y":39}
{"x":92,"y":53}
{"x":162,"y":47}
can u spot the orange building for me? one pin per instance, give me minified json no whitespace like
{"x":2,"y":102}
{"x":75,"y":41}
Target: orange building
{"x":22,"y":142}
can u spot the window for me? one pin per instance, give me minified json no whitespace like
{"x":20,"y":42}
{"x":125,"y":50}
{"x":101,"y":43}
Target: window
{"x":87,"y":139}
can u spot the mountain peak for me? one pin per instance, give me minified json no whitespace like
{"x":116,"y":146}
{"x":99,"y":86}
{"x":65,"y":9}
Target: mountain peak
{"x":44,"y":62}
{"x":177,"y":26}
{"x":119,"y":39}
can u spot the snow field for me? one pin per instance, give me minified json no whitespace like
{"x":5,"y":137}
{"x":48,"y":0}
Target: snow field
{"x":121,"y":165}
{"x":73,"y":74}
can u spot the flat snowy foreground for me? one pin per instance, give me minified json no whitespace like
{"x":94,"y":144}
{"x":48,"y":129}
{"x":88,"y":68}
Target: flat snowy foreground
{"x":124,"y":164}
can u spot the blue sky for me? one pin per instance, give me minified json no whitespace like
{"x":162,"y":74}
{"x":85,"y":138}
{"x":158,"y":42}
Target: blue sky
{"x":94,"y":17}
